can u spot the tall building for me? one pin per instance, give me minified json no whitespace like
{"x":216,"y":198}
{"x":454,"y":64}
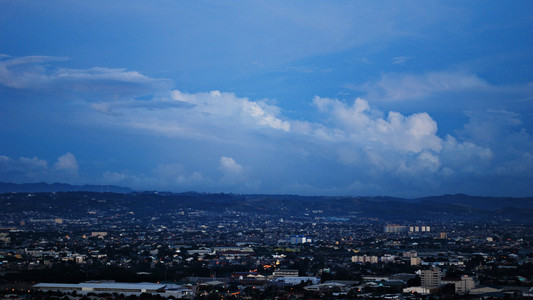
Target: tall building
{"x":415,"y":261}
{"x":464,"y":285}
{"x":419,"y":228}
{"x":299,"y":239}
{"x":431,"y":278}
{"x":394,"y":228}
{"x":373,"y":259}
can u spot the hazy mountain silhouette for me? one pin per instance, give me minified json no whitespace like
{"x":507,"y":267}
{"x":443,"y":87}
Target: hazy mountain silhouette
{"x":43,"y":187}
{"x":438,"y":208}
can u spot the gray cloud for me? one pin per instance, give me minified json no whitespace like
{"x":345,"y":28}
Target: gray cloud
{"x":401,"y":86}
{"x":34,"y":73}
{"x":34,"y":169}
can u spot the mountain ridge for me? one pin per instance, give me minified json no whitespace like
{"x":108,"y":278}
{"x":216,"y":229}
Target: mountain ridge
{"x":435,"y":208}
{"x":43,"y":187}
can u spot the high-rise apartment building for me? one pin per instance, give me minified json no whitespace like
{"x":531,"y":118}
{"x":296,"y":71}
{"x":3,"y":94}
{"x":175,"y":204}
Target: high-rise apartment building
{"x":431,"y":278}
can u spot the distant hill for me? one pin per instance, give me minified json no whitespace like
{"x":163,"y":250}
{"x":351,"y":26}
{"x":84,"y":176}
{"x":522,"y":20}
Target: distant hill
{"x":478,"y":202}
{"x":445,"y":208}
{"x":43,"y":187}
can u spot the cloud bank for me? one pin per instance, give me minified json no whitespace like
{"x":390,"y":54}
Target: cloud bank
{"x":25,"y":169}
{"x":219,"y":141}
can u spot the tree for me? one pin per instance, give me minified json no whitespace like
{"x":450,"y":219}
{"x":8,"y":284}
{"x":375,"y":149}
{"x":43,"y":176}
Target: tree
{"x":416,"y":281}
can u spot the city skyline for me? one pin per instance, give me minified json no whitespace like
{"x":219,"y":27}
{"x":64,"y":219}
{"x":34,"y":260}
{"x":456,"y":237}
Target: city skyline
{"x":347,"y":98}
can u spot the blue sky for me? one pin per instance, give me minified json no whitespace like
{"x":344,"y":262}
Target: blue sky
{"x":397,"y":98}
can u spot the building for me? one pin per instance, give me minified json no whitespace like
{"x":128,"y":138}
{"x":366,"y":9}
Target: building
{"x":4,"y":237}
{"x":394,"y":228}
{"x":387,"y":258}
{"x":234,"y":248}
{"x":329,"y":286}
{"x":528,"y":294}
{"x":419,"y":228}
{"x":365,"y":259}
{"x":410,"y":254}
{"x":464,"y":285}
{"x":103,"y":287}
{"x":485,"y":290}
{"x":299,"y":239}
{"x":415,"y":261}
{"x":418,"y":289}
{"x":285,"y":272}
{"x":293,"y":280}
{"x":431,"y":277}
{"x":99,"y":234}
{"x":204,"y":251}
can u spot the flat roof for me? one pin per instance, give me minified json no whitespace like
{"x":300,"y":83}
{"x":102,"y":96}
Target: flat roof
{"x":57,"y":285}
{"x":105,"y":285}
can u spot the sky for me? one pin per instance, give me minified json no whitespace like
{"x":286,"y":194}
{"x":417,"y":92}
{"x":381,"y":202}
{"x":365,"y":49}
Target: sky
{"x":347,"y":98}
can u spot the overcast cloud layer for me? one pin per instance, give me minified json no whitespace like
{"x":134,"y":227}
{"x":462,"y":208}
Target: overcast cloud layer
{"x":343,"y":98}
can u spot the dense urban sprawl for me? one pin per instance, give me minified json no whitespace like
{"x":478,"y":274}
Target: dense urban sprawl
{"x":201,"y":253}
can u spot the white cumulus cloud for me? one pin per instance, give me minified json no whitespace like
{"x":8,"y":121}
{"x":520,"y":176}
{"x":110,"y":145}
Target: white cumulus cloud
{"x":230,"y":166}
{"x":67,"y":163}
{"x":366,"y":127}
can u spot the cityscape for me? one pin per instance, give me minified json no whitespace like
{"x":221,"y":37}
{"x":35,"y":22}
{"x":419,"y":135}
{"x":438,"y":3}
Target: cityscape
{"x":304,"y":149}
{"x":212,"y":246}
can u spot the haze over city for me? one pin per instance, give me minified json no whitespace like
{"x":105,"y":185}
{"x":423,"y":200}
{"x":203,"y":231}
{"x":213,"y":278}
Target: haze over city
{"x":304,"y":97}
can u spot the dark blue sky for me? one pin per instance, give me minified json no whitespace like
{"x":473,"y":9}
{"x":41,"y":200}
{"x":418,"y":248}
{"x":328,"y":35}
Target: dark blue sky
{"x":400,"y":98}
